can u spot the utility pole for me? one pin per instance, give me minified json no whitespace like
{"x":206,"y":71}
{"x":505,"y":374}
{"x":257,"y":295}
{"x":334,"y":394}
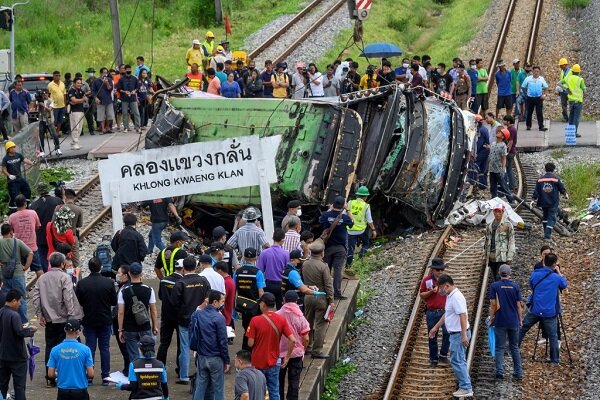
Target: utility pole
{"x":218,"y":11}
{"x":12,"y":39}
{"x":116,"y":28}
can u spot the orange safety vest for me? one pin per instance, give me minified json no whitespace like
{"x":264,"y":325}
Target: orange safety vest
{"x":195,"y":80}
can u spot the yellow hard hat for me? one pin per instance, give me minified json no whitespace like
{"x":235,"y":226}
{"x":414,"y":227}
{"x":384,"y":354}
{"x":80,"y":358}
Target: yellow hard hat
{"x":220,"y":48}
{"x":8,"y":145}
{"x":576,"y":68}
{"x":563,"y":61}
{"x":209,"y":34}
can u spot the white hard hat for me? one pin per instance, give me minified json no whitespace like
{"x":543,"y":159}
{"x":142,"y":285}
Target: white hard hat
{"x":195,"y":41}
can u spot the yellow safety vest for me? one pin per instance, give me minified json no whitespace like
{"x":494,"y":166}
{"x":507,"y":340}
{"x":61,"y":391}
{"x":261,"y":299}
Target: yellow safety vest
{"x":209,"y":48}
{"x":358,"y":209}
{"x":563,"y":76}
{"x":576,"y":86}
{"x":168,"y":268}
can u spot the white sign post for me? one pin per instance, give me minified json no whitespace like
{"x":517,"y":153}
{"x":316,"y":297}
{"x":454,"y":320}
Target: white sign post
{"x":188,"y":169}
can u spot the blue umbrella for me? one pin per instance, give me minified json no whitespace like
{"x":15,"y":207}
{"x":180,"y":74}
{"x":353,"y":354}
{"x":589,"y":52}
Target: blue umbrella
{"x":378,"y":50}
{"x":32,"y":349}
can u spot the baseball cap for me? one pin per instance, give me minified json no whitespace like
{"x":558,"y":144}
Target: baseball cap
{"x":516,"y":61}
{"x":179,"y":235}
{"x":135,"y":268}
{"x":295,"y":254}
{"x":218,"y":232}
{"x":268,"y":299}
{"x":291,"y":296}
{"x":216,"y":246}
{"x":250,"y":253}
{"x":504,"y":270}
{"x":147,"y":341}
{"x":195,"y":41}
{"x":299,"y":64}
{"x":179,"y":264}
{"x":438,"y":263}
{"x":72,"y":325}
{"x":339,"y":202}
{"x":205,"y":259}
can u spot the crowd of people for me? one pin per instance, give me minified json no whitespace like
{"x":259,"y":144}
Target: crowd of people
{"x":283,"y":294}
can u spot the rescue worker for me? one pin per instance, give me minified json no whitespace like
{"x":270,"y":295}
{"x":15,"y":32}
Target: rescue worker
{"x":565,"y":72}
{"x":546,"y":193}
{"x":500,"y":241}
{"x":165,"y":262}
{"x":11,"y":168}
{"x":147,"y":375}
{"x":195,"y":77}
{"x":250,"y":284}
{"x":208,"y":49}
{"x":435,"y":305}
{"x":575,"y":86}
{"x":361,"y":214}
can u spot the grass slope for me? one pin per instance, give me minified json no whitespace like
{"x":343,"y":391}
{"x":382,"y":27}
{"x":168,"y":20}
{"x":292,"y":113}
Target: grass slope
{"x":417,"y":27}
{"x":71,"y":36}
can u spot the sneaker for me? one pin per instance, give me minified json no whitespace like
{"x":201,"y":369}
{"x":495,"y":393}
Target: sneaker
{"x":499,"y":377}
{"x":77,"y":147}
{"x":543,"y":129}
{"x":528,"y":128}
{"x":517,"y":377}
{"x":444,"y":360}
{"x":433,"y":363}
{"x":183,"y":382}
{"x":577,"y":135}
{"x":463,"y":393}
{"x":125,"y":130}
{"x":90,"y":382}
{"x":340,"y":297}
{"x":541,"y":341}
{"x":105,"y":382}
{"x":58,"y":152}
{"x":42,"y":154}
{"x":92,"y":133}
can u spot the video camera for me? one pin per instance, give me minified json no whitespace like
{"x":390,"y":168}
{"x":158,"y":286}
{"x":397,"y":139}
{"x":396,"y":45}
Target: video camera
{"x":304,"y":72}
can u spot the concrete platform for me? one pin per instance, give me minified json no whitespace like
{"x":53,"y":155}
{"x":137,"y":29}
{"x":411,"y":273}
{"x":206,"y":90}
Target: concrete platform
{"x":534,"y":140}
{"x":312,"y":380}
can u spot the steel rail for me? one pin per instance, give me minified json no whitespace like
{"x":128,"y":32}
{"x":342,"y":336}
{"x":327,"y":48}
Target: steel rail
{"x":275,"y":36}
{"x":535,"y":27}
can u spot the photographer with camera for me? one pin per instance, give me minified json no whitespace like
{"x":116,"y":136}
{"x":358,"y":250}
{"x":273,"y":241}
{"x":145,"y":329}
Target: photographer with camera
{"x":369,"y":79}
{"x":315,"y":79}
{"x":299,"y":81}
{"x":352,"y":81}
{"x":44,"y":106}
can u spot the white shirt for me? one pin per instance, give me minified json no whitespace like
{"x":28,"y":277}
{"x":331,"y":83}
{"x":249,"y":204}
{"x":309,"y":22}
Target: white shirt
{"x":455,"y":305}
{"x":216,"y":281}
{"x":317,"y":89}
{"x":121,"y":300}
{"x":331,"y":86}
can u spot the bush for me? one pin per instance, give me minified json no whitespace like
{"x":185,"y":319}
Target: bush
{"x":571,"y":4}
{"x":399,"y":24}
{"x":581,"y":181}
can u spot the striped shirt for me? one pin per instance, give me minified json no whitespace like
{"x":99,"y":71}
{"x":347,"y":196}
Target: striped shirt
{"x":291,"y":240}
{"x":248,"y":235}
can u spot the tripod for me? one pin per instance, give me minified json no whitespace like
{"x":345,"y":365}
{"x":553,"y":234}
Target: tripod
{"x":564,"y":335}
{"x":307,"y":90}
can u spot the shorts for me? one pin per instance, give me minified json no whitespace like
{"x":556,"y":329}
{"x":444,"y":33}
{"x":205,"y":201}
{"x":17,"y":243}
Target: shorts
{"x":105,"y":112}
{"x":505,"y":102}
{"x":59,"y":115}
{"x":482,"y":100}
{"x":36,"y":264}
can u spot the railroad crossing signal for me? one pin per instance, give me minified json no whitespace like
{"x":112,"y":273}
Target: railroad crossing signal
{"x":362,"y":9}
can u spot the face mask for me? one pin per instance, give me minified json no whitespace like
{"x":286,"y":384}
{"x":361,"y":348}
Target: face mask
{"x":439,"y":71}
{"x":299,"y":212}
{"x":69,"y":271}
{"x":405,"y":65}
{"x":90,"y":74}
{"x":473,"y":66}
{"x":221,"y":308}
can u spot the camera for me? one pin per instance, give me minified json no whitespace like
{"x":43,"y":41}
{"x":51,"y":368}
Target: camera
{"x":305,"y":73}
{"x":39,"y":97}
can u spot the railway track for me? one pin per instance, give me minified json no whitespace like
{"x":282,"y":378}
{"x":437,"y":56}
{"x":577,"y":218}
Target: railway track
{"x":89,"y":193}
{"x":291,"y":41}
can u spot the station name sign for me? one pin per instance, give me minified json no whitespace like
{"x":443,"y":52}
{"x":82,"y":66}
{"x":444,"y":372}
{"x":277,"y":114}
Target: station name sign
{"x":188,"y":169}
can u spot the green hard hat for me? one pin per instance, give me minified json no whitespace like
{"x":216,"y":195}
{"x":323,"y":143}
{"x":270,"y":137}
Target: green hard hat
{"x":362,"y":191}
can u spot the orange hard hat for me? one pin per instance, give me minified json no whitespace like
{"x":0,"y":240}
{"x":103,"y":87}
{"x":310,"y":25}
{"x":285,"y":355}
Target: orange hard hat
{"x":506,"y":133}
{"x":478,"y":118}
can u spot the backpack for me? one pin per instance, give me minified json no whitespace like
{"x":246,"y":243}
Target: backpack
{"x":139,"y":310}
{"x":104,"y":254}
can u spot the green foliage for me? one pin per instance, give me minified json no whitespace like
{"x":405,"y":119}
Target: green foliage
{"x":334,"y":377}
{"x":581,"y":181}
{"x":433,"y":27}
{"x":58,"y":35}
{"x":363,"y":297}
{"x":571,"y":4}
{"x":55,"y":174}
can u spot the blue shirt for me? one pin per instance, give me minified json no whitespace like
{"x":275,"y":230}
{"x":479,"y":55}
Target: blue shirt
{"x":546,"y":292}
{"x":503,"y":81}
{"x":339,"y":235}
{"x":506,"y":293}
{"x":70,"y":359}
{"x":534,"y":86}
{"x":20,"y":102}
{"x":139,"y":69}
{"x":401,"y":71}
{"x":208,"y":334}
{"x":272,"y":262}
{"x":473,"y":75}
{"x":547,"y":189}
{"x":260,"y":277}
{"x":295,"y":279}
{"x":133,"y":378}
{"x":100,"y":91}
{"x":222,"y":77}
{"x":230,"y":90}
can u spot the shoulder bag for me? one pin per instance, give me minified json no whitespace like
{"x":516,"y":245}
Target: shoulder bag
{"x":139,"y":310}
{"x":9,"y":267}
{"x":529,"y":303}
{"x":272,"y":324}
{"x":327,"y":232}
